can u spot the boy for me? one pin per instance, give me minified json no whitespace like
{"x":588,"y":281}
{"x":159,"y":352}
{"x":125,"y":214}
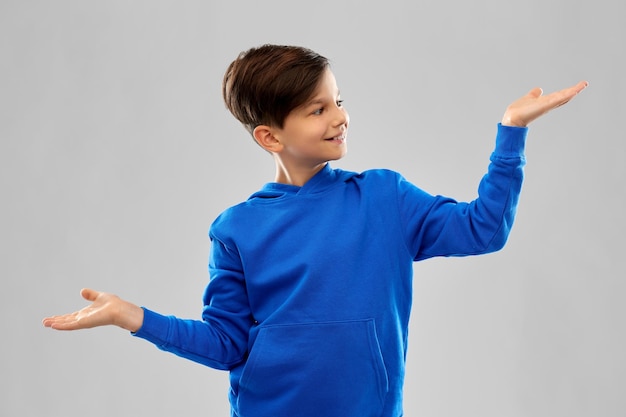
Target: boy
{"x":310,"y":291}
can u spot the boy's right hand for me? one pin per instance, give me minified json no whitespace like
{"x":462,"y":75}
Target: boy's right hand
{"x":105,"y":309}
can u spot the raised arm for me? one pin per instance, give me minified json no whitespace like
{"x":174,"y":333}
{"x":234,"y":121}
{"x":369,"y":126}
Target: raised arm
{"x":439,"y":226}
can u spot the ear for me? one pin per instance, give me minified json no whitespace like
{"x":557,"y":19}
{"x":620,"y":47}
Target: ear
{"x":264,"y":136}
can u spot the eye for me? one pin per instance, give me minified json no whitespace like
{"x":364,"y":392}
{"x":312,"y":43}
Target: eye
{"x":318,"y":111}
{"x":339,"y":103}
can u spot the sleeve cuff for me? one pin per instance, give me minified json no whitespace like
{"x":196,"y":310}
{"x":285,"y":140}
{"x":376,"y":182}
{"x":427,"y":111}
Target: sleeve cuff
{"x":510,"y":141}
{"x":155,"y":327}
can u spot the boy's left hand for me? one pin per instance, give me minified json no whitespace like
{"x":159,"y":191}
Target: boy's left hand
{"x":533,"y":105}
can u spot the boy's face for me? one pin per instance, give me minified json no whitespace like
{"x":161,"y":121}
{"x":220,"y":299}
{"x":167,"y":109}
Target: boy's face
{"x":315,"y":132}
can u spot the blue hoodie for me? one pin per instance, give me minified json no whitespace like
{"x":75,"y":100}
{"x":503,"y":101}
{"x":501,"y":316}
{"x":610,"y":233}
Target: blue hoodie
{"x":310,"y":287}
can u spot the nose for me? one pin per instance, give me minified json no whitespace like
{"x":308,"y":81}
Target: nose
{"x":342,"y":117}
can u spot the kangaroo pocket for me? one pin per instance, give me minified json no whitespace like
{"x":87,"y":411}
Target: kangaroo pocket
{"x":318,"y":369}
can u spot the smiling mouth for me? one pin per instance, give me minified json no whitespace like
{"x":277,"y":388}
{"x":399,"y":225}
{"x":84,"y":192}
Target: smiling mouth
{"x":339,"y":139}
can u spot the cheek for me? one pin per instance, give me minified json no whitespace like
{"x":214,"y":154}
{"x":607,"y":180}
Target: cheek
{"x":317,"y":130}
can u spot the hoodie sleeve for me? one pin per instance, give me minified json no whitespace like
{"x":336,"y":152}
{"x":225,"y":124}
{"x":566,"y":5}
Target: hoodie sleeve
{"x":441,"y":226}
{"x":220,"y":339}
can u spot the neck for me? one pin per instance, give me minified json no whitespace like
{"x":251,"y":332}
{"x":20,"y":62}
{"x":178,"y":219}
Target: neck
{"x":295,"y":175}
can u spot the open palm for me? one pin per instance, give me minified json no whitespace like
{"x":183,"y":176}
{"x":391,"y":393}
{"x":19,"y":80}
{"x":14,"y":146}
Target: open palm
{"x":534,"y":104}
{"x":102,"y":311}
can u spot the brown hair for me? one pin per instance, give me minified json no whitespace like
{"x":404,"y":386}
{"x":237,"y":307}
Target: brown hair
{"x":264,"y":84}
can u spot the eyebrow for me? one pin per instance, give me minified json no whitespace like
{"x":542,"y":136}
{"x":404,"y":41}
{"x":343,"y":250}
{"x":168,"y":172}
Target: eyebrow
{"x":319,"y":100}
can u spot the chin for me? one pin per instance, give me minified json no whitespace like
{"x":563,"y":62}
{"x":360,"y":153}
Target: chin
{"x":338,"y":156}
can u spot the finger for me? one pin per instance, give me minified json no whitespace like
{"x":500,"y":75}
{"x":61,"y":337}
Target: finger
{"x":575,"y":90}
{"x":580,"y":86}
{"x":572,"y":91}
{"x":65,"y":325}
{"x":64,"y":322}
{"x":89,"y":294}
{"x":562,"y":97}
{"x":48,"y":321}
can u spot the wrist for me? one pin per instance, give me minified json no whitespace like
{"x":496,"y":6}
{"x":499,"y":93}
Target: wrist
{"x":129,"y":317}
{"x":508,"y":121}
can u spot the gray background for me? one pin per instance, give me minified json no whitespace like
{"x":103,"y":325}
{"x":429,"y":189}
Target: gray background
{"x":117,"y":153}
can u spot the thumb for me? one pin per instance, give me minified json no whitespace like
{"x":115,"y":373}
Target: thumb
{"x":89,"y":294}
{"x":535,"y":92}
